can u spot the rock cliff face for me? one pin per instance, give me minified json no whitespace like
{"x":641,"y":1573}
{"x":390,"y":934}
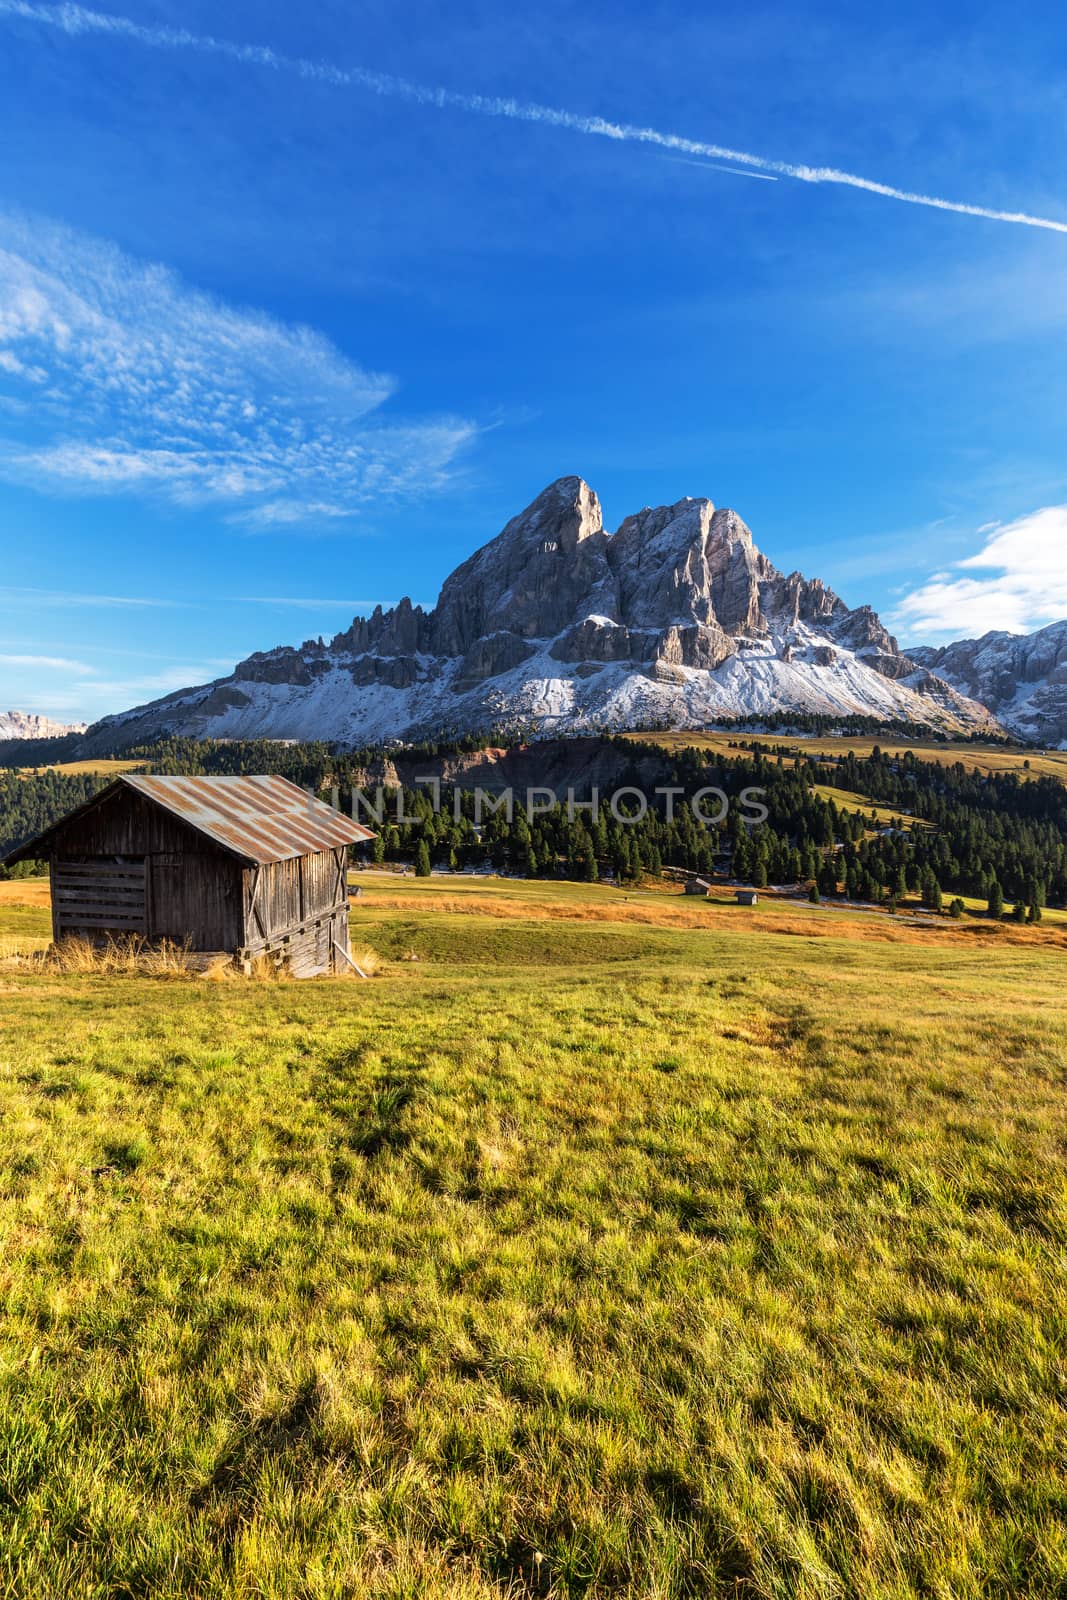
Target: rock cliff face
{"x":677,"y":618}
{"x":1021,"y":678}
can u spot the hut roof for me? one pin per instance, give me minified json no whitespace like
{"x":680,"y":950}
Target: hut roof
{"x":260,"y":819}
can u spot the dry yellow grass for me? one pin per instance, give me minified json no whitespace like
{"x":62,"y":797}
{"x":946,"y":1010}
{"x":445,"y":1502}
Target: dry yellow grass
{"x":18,"y":949}
{"x":133,"y":955}
{"x":26,"y":945}
{"x":24,"y":892}
{"x":668,"y":907}
{"x":102,"y":766}
{"x":367,"y":959}
{"x":24,"y":904}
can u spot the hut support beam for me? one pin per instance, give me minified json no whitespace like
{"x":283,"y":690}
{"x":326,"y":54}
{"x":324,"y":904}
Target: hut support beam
{"x":277,"y":941}
{"x":253,"y":909}
{"x":339,"y":947}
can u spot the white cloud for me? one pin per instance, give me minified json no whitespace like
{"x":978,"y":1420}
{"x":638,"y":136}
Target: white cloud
{"x":143,"y":384}
{"x":286,"y":513}
{"x":10,"y":363}
{"x":1026,"y":588}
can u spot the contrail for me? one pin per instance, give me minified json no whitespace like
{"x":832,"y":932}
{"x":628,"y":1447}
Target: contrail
{"x":715,"y":166}
{"x":76,"y":19}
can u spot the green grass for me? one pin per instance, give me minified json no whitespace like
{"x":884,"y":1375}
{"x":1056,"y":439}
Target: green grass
{"x":862,"y":805}
{"x":572,"y":1258}
{"x":25,"y":926}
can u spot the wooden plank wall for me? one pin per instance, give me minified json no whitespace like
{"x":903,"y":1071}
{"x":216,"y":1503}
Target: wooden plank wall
{"x":90,"y":898}
{"x":298,"y":908}
{"x":191,"y":889}
{"x":284,"y":894}
{"x":139,"y":870}
{"x":195,"y":897}
{"x":127,"y":824}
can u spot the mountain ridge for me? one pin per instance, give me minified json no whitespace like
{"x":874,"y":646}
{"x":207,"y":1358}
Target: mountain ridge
{"x":31,"y":725}
{"x":676,"y":617}
{"x":1022,"y":678}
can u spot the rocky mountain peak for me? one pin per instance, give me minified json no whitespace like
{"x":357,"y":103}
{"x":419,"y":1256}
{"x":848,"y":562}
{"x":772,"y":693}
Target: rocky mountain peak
{"x":539,"y":568}
{"x":29,"y":725}
{"x":568,"y":510}
{"x":675,"y":618}
{"x":688,"y":563}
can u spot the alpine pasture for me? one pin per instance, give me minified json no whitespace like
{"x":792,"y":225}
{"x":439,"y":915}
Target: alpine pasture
{"x":600,"y":1245}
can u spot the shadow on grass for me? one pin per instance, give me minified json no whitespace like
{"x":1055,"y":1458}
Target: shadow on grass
{"x":369,"y":1105}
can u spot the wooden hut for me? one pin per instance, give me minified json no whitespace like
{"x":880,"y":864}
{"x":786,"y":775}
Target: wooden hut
{"x":699,"y":886}
{"x":747,"y":897}
{"x":249,"y":866}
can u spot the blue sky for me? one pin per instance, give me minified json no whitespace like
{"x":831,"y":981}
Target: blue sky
{"x":282,"y":337}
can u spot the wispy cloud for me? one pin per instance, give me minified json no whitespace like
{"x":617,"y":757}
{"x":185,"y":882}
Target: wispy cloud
{"x":1026,"y":587}
{"x":119,"y":693}
{"x":46,"y":598}
{"x":287,"y":513}
{"x":75,"y":19}
{"x":47,"y":663}
{"x":357,"y":607}
{"x":55,"y":685}
{"x":140,"y":383}
{"x":716,"y":166}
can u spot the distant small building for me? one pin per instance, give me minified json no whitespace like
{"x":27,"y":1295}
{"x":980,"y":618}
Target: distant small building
{"x":698,"y":886}
{"x":747,"y":897}
{"x":250,"y":866}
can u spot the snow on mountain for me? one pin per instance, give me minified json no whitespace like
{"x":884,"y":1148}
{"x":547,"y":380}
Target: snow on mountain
{"x":1022,"y":678}
{"x":27,"y":725}
{"x":676,"y":618}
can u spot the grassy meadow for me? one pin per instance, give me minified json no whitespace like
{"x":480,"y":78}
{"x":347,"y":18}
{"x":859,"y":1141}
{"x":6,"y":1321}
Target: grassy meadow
{"x":604,"y":1244}
{"x":988,"y":759}
{"x":862,"y":805}
{"x":103,"y":766}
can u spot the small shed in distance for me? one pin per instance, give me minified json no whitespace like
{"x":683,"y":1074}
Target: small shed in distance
{"x":250,"y":866}
{"x":698,"y":886}
{"x":747,"y":897}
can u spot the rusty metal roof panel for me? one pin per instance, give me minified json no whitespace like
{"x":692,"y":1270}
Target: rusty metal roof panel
{"x":262,"y":818}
